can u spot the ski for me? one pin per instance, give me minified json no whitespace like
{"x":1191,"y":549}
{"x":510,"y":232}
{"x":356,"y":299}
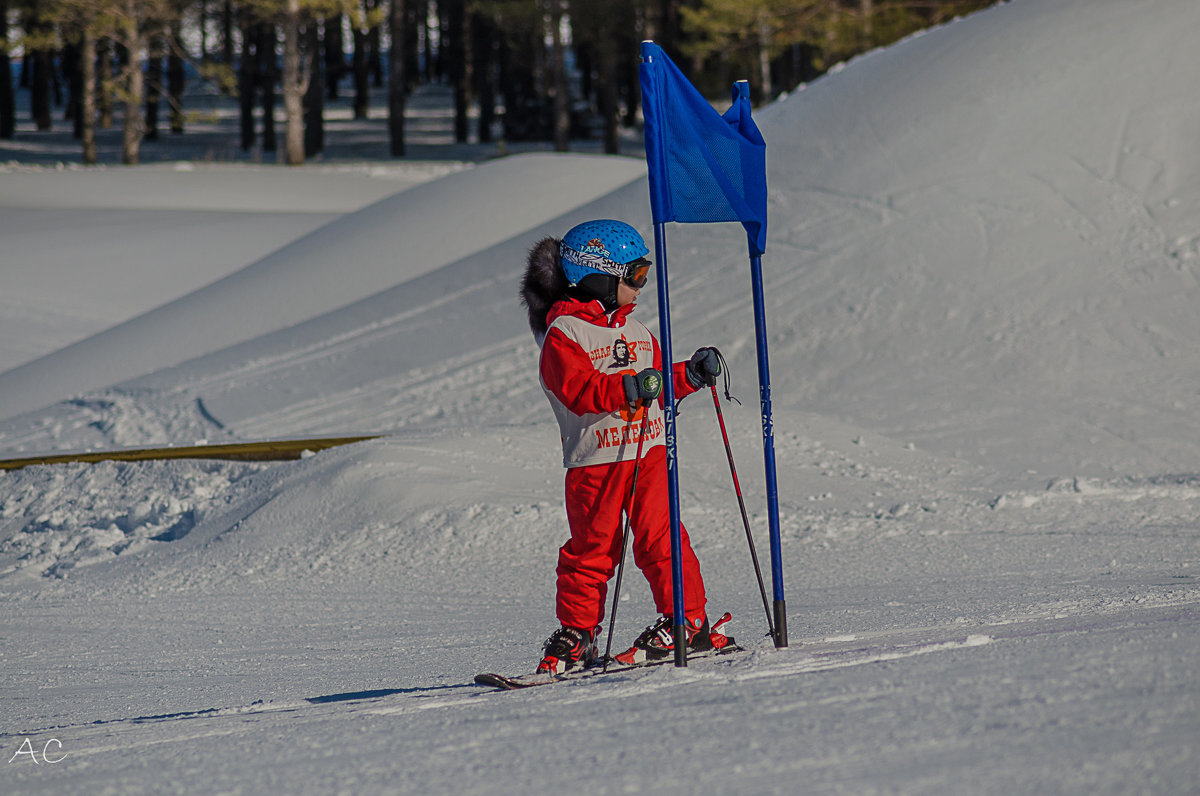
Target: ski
{"x":505,"y":682}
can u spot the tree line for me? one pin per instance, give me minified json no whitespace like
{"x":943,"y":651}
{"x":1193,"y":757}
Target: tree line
{"x":546,"y":70}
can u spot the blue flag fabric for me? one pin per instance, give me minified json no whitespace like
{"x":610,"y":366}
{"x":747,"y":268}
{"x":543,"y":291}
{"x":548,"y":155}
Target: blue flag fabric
{"x":703,"y":166}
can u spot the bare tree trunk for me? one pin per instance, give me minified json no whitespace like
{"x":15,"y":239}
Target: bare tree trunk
{"x":335,"y":54}
{"x":667,"y":35}
{"x":764,"y":57}
{"x":629,"y":91}
{"x":294,"y":86}
{"x":131,"y":138}
{"x":519,"y":85}
{"x":416,"y":13}
{"x":43,"y":63}
{"x":558,"y":78}
{"x":362,"y":73}
{"x":176,"y":79}
{"x":375,"y":59}
{"x":397,"y":80}
{"x":248,"y":83}
{"x":154,"y":86}
{"x":459,"y":66}
{"x":227,"y":34}
{"x":104,"y":83}
{"x":314,"y":95}
{"x":430,"y":61}
{"x":70,"y":66}
{"x":606,"y":90}
{"x":8,"y":102}
{"x":483,"y":53}
{"x":202,"y":19}
{"x":268,"y":76}
{"x":438,"y":58}
{"x":87,"y":100}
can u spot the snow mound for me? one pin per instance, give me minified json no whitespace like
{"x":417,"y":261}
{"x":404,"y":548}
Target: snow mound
{"x":364,"y":252}
{"x":55,"y":519}
{"x":994,"y":256}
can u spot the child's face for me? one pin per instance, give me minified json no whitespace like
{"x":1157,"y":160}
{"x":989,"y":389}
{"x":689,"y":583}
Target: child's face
{"x":626,"y":294}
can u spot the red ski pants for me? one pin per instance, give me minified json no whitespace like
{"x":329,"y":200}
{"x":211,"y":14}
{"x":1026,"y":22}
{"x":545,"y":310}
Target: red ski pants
{"x":595,"y":498}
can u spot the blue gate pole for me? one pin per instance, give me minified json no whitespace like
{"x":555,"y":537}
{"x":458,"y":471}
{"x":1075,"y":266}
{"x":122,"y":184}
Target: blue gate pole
{"x":764,"y":394}
{"x":664,"y":341}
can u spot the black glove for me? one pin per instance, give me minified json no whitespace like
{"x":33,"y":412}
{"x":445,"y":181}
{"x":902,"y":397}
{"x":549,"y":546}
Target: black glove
{"x":642,"y":388}
{"x":704,"y":367}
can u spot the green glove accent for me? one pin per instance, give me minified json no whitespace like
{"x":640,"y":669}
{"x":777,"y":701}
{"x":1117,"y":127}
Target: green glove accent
{"x":642,"y":388}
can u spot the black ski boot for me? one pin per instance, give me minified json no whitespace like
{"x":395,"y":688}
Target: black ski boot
{"x":658,"y":641}
{"x":567,"y":648}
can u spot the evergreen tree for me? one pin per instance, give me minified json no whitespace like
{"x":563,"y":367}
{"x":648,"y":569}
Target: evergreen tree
{"x":127,"y":25}
{"x":754,"y":38}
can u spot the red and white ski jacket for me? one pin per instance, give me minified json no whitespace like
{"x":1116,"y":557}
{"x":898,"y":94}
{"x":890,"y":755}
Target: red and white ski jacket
{"x":584,"y":357}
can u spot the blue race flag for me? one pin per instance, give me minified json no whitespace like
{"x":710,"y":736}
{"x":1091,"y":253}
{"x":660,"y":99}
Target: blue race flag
{"x":703,"y":166}
{"x":707,"y":167}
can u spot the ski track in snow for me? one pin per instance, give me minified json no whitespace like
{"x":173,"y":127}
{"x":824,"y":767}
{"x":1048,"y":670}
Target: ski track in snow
{"x":805,"y":656}
{"x":846,"y":681}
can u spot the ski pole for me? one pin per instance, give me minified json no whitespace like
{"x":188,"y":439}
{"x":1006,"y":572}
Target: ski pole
{"x":637,"y":463}
{"x":762,"y":589}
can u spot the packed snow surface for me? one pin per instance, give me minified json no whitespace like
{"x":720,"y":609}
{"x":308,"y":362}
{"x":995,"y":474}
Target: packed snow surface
{"x":982,"y":281}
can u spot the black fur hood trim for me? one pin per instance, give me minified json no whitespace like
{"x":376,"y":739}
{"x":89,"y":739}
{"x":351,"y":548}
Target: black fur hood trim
{"x":544,"y":283}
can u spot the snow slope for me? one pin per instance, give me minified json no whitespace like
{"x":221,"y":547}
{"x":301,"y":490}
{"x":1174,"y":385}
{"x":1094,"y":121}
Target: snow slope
{"x":979,"y":271}
{"x":172,"y":229}
{"x":392,"y":240}
{"x":1019,"y":233}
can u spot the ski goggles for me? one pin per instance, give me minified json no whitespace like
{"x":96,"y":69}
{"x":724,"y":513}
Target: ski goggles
{"x":636,"y":273}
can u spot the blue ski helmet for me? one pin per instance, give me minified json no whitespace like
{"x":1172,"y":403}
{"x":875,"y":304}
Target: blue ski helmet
{"x":600,"y":247}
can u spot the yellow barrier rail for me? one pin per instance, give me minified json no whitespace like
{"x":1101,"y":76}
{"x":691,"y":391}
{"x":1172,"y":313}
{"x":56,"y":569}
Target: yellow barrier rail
{"x":268,"y":450}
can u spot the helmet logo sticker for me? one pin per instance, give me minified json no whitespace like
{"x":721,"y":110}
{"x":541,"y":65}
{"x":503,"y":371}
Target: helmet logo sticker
{"x":596,"y":246}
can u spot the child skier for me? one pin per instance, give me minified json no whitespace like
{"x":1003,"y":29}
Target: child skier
{"x":602,"y":372}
